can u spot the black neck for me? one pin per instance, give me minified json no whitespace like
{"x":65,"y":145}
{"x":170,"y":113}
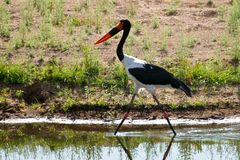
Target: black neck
{"x":121,"y":43}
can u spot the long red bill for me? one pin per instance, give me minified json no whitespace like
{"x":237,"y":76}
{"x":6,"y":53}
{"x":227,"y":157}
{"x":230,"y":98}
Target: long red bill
{"x":104,"y":38}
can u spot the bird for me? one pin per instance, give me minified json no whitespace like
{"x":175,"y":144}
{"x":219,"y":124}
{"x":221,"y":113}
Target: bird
{"x":143,"y":74}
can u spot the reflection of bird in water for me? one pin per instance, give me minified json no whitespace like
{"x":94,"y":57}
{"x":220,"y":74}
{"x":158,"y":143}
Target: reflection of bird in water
{"x":169,"y":147}
{"x":143,"y":74}
{"x":128,"y":153}
{"x":124,"y":148}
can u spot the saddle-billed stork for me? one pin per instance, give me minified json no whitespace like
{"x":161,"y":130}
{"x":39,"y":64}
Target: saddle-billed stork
{"x":143,"y":74}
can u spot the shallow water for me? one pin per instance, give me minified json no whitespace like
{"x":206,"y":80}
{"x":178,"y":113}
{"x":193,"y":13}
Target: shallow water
{"x":59,"y":141}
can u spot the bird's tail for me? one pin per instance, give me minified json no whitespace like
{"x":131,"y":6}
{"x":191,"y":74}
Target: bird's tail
{"x":177,"y":83}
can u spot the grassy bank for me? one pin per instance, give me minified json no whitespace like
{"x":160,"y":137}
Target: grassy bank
{"x":51,"y":42}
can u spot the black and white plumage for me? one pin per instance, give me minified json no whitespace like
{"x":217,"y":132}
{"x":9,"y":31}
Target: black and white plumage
{"x":143,"y":75}
{"x":150,"y":76}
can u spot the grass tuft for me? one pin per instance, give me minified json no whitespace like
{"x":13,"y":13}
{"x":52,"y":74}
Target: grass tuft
{"x":155,"y":23}
{"x":58,"y":12}
{"x":14,"y":74}
{"x":4,"y":21}
{"x":234,"y":20}
{"x":116,"y":78}
{"x":172,"y":8}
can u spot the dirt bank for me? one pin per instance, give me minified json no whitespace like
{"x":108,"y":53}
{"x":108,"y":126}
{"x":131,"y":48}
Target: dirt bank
{"x":107,"y":113}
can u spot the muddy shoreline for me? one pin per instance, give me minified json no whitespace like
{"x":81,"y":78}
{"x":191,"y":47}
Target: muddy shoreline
{"x":109,"y":113}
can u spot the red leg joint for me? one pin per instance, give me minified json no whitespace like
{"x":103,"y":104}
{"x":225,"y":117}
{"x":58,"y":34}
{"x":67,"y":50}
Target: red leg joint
{"x":165,"y":114}
{"x":126,"y":115}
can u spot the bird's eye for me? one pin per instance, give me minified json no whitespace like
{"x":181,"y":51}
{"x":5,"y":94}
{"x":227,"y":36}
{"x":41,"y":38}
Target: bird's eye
{"x":119,"y":26}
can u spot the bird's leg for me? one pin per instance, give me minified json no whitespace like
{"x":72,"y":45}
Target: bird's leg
{"x":126,"y":114}
{"x":165,"y":114}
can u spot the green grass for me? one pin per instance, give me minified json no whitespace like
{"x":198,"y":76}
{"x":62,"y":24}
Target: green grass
{"x":115,"y":78}
{"x":163,"y":44}
{"x":82,"y":74}
{"x":189,"y":41}
{"x":164,"y":37}
{"x":132,"y":10}
{"x":106,"y":6}
{"x":27,"y":15}
{"x":221,"y":12}
{"x":171,"y":10}
{"x":155,"y":23}
{"x":234,"y":30}
{"x":4,"y":21}
{"x":90,"y":72}
{"x":15,"y":74}
{"x":58,"y":16}
{"x":137,"y":27}
{"x":209,"y":73}
{"x":235,"y":52}
{"x":234,"y":20}
{"x":147,"y":43}
{"x":68,"y":104}
{"x":46,"y":30}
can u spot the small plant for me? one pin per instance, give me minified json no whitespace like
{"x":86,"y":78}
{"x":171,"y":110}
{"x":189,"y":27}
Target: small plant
{"x":164,"y":39}
{"x":4,"y":21}
{"x":72,"y":22}
{"x":3,"y":101}
{"x":131,"y":40}
{"x":236,"y":52}
{"x":132,"y":9}
{"x":36,"y":105}
{"x":234,"y":20}
{"x":44,"y":7}
{"x":224,"y":40}
{"x":82,"y":5}
{"x":7,"y":1}
{"x":155,"y":23}
{"x":147,"y":44}
{"x":32,"y":41}
{"x":210,"y":3}
{"x":117,"y":78}
{"x":221,"y":12}
{"x":168,"y":32}
{"x":98,"y":21}
{"x":68,"y":104}
{"x":188,"y":41}
{"x":52,"y":108}
{"x":172,"y":8}
{"x":163,"y":44}
{"x":58,"y":13}
{"x":27,"y":16}
{"x":181,"y":52}
{"x":138,"y":27}
{"x":17,"y":42}
{"x":46,"y":30}
{"x":19,"y":93}
{"x":105,"y":6}
{"x":91,"y":67}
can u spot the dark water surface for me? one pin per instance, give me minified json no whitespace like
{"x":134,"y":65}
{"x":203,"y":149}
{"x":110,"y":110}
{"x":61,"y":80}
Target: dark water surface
{"x":70,"y":142}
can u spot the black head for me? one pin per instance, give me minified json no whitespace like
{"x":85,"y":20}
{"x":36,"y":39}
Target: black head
{"x":126,"y":23}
